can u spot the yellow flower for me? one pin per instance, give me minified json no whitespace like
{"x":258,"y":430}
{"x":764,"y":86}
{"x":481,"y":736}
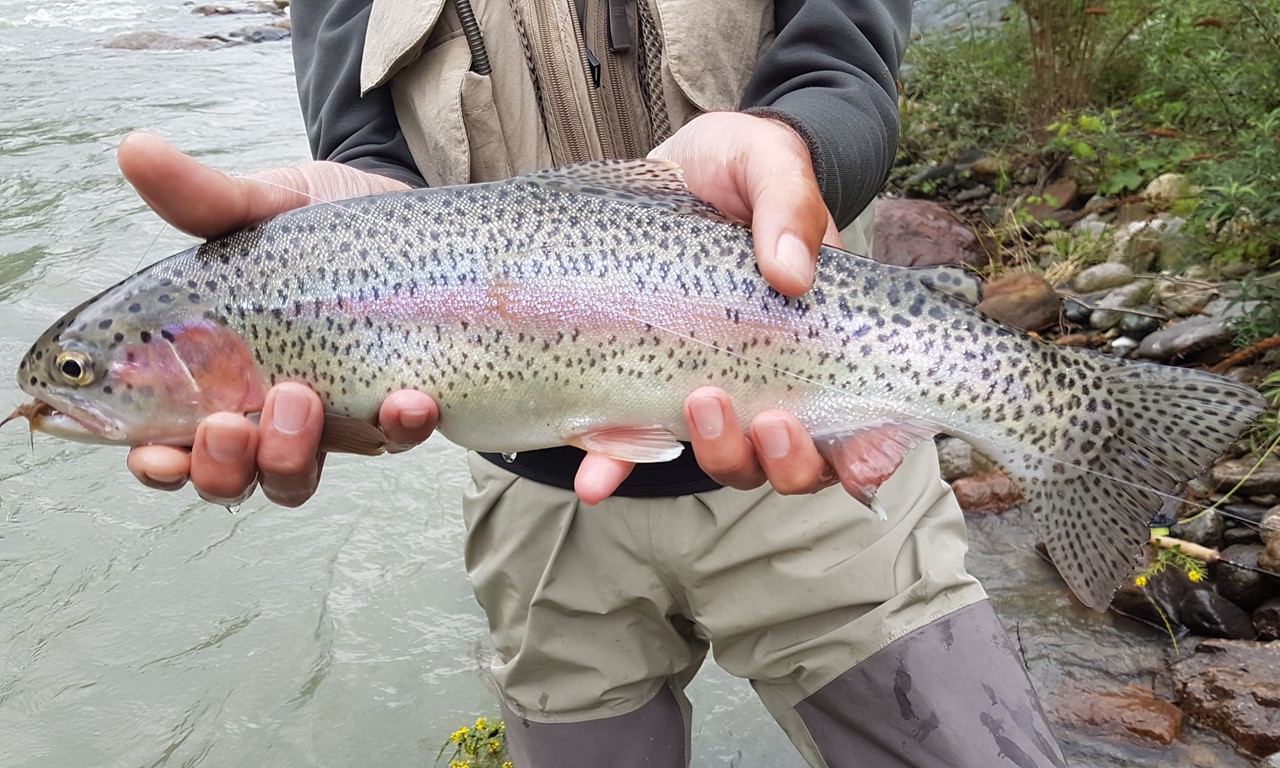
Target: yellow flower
{"x":494,"y":746}
{"x":459,"y":764}
{"x":507,"y":764}
{"x":457,"y":735}
{"x":1195,"y":574}
{"x":481,"y":723}
{"x":1141,"y":580}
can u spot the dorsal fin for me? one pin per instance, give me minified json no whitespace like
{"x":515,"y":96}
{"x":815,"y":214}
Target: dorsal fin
{"x":951,"y":280}
{"x":645,"y":181}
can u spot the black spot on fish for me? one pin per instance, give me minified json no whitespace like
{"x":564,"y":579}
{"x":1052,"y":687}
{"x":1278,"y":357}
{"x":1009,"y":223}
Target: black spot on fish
{"x":105,"y":324}
{"x":167,"y":336}
{"x":145,"y":336}
{"x":135,"y":307}
{"x":107,"y":389}
{"x":118,"y":337}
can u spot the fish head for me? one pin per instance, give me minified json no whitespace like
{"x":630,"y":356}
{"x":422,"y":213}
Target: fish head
{"x":129,"y":368}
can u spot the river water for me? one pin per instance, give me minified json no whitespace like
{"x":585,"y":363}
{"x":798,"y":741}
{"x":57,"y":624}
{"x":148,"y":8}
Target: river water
{"x":139,"y":628}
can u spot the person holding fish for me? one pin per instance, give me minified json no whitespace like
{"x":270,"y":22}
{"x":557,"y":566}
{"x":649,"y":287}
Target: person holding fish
{"x":605,"y":583}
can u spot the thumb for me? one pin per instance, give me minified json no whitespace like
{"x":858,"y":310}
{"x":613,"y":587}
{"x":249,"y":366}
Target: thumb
{"x":789,"y":222}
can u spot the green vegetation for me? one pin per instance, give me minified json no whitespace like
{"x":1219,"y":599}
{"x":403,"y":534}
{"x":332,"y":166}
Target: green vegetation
{"x":481,"y":745}
{"x":1115,"y":93}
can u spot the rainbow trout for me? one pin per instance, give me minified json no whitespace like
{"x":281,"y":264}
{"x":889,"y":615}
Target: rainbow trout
{"x":581,"y":306}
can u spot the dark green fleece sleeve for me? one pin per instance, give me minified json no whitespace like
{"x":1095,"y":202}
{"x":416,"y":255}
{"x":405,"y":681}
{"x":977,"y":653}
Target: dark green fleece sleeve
{"x":831,"y":73}
{"x":342,"y":125}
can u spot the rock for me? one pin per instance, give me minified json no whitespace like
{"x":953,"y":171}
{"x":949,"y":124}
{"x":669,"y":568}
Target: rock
{"x":1140,"y":243}
{"x":977,"y":192}
{"x":919,"y":233}
{"x":1132,"y":710}
{"x":1101,"y":277}
{"x":1168,"y":187}
{"x":1270,"y":557}
{"x":1245,"y":588}
{"x":152,"y":40}
{"x":262,"y":34}
{"x":1126,"y":296}
{"x":1144,"y":320}
{"x":985,"y":493}
{"x":1079,"y":310}
{"x":1265,"y":479}
{"x":1185,"y":337}
{"x":1092,"y":225}
{"x":1266,"y":618}
{"x":1239,"y":535}
{"x":1022,"y":300}
{"x":1204,"y":529}
{"x":986,"y":169}
{"x":1058,"y":196}
{"x":1207,"y":613}
{"x":1165,"y":589}
{"x":955,"y":458}
{"x":1233,"y":687}
{"x":1183,"y":297}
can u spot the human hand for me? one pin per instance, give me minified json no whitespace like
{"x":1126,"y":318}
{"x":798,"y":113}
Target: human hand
{"x":230,"y":455}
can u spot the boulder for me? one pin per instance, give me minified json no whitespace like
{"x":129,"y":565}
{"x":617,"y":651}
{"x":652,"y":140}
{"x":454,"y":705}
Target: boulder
{"x":986,"y":493}
{"x":1102,"y":277}
{"x":920,"y":233}
{"x":1022,"y":300}
{"x":1233,"y":686}
{"x":1130,"y":711}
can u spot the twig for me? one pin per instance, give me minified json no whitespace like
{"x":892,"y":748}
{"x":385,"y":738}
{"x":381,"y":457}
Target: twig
{"x":1247,"y":355}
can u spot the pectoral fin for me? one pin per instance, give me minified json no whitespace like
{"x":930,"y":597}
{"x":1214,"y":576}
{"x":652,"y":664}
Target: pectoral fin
{"x":343,"y":434}
{"x":642,"y":445}
{"x":864,"y":457}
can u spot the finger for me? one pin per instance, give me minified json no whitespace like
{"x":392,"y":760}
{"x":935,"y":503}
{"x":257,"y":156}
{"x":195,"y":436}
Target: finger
{"x":723,"y":451}
{"x":223,"y":467}
{"x":160,"y":467}
{"x":789,"y":222}
{"x":407,"y":417}
{"x":290,"y":428}
{"x":786,"y":451}
{"x":207,"y":202}
{"x":599,"y":476}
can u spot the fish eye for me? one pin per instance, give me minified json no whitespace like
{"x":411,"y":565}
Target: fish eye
{"x":75,"y":367}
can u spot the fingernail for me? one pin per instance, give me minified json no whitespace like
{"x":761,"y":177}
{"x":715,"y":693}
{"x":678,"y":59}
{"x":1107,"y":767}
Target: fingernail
{"x":289,"y":411}
{"x":165,"y":479}
{"x":414,"y":418}
{"x":708,"y":419}
{"x":225,"y":443}
{"x":794,"y":258}
{"x":775,"y":439}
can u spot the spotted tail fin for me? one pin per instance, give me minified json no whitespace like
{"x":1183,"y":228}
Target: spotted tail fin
{"x":1094,"y":498}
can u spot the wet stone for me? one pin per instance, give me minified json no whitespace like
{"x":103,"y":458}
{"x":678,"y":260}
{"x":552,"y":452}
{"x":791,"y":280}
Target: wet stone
{"x":1233,"y":687}
{"x":1203,"y":529}
{"x":1266,"y":479}
{"x":918,"y":233}
{"x":1243,"y":587}
{"x":1131,"y":711}
{"x":986,"y":493}
{"x":1207,"y":613}
{"x":1143,"y":321}
{"x":1266,"y":618}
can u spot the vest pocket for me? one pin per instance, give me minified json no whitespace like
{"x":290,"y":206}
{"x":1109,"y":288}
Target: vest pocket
{"x":487,"y":147}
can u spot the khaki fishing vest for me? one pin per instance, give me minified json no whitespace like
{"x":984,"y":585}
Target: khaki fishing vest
{"x":560,"y":86}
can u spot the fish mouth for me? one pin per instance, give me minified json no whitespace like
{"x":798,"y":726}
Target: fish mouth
{"x":70,"y":422}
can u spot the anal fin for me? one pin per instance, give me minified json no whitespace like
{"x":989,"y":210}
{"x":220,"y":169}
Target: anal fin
{"x":864,"y":457}
{"x":641,"y":445}
{"x":343,"y":434}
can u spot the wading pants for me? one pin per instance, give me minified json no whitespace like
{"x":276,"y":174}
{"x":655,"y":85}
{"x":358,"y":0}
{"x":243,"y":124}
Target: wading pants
{"x":866,"y":640}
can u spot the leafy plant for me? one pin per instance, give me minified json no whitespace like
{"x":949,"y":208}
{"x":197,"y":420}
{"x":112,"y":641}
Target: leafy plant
{"x":482,"y":745}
